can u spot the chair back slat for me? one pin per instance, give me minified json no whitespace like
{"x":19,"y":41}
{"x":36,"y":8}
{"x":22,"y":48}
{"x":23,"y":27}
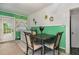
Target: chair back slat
{"x":57,"y":40}
{"x":28,"y":39}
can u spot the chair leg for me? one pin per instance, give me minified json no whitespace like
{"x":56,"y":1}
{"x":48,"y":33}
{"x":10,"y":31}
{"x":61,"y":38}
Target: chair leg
{"x":58,"y":52}
{"x":27,"y":51}
{"x":44,"y":51}
{"x":53,"y":51}
{"x":41,"y":51}
{"x":32,"y":52}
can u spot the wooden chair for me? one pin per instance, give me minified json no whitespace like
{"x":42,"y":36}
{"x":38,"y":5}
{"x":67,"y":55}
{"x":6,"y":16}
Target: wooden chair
{"x":55,"y":45}
{"x":30,"y":43}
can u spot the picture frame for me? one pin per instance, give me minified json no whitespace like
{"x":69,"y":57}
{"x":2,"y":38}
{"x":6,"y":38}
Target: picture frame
{"x":51,"y":18}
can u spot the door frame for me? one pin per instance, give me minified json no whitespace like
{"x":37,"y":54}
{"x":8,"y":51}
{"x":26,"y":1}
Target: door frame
{"x":70,"y":32}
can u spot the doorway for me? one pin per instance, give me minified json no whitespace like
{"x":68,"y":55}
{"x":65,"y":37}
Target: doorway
{"x":74,"y":31}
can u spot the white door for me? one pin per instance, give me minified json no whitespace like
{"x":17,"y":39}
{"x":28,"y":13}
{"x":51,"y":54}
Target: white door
{"x":75,"y":29}
{"x":8,"y":28}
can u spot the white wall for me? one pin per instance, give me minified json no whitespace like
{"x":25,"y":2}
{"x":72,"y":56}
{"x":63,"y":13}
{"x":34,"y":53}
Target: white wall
{"x":39,"y":16}
{"x":61,"y":14}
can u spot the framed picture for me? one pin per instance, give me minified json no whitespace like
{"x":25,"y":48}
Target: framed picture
{"x":46,"y":16}
{"x":51,"y":18}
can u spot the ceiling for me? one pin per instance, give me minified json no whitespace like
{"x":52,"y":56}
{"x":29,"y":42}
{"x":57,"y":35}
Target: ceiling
{"x":22,"y":8}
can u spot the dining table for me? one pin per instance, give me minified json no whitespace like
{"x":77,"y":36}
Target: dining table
{"x":42,"y":39}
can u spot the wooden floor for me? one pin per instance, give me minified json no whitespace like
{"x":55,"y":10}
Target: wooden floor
{"x":10,"y":48}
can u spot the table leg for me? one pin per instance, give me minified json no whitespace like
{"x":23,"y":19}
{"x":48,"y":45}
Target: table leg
{"x":43,"y":48}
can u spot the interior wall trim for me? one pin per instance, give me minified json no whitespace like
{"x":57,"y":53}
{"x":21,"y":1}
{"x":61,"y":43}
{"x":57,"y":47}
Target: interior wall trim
{"x":13,"y":15}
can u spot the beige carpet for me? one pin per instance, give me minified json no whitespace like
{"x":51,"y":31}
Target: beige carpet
{"x":10,"y":48}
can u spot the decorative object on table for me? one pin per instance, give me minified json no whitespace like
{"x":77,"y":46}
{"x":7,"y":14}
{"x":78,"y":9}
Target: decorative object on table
{"x":34,"y":21}
{"x":41,"y":28}
{"x":51,"y":18}
{"x":33,"y":31}
{"x":46,"y":16}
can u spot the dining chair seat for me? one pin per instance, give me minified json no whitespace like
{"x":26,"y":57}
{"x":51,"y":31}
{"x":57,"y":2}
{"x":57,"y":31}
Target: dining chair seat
{"x":50,"y":45}
{"x":35,"y":46}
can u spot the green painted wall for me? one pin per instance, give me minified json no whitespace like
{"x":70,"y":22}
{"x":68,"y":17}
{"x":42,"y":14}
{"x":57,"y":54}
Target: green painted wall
{"x":53,"y":31}
{"x":18,"y":35}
